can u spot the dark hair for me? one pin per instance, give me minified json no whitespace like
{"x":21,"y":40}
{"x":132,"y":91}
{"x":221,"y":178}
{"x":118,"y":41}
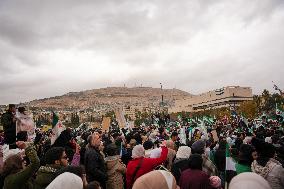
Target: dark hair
{"x":148,"y":145}
{"x":245,"y":156}
{"x":268,"y":151}
{"x":195,"y":161}
{"x":53,"y":154}
{"x":77,"y":170}
{"x":11,"y":106}
{"x":93,"y":185}
{"x":21,"y":109}
{"x":174,"y":134}
{"x":112,"y":150}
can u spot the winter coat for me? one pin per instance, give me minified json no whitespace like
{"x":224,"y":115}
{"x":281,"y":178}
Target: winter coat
{"x":273,"y":172}
{"x":148,"y":164}
{"x":170,"y":158}
{"x":115,"y":171}
{"x":45,"y":175}
{"x":194,"y":179}
{"x":95,"y":166}
{"x":178,"y":167}
{"x":9,"y":127}
{"x":21,"y":179}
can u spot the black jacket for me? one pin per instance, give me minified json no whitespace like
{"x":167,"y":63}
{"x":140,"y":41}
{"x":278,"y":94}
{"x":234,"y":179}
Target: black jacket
{"x":95,"y":166}
{"x":9,"y":127}
{"x":178,"y":167}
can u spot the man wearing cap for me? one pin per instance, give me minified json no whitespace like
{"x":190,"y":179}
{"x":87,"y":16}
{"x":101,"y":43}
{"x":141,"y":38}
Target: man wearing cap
{"x":8,"y":121}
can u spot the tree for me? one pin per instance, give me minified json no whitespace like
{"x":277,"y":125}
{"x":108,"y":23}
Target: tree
{"x":248,"y":108}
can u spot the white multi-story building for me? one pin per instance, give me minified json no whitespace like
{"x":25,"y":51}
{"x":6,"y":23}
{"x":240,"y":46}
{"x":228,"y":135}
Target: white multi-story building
{"x":230,"y":96}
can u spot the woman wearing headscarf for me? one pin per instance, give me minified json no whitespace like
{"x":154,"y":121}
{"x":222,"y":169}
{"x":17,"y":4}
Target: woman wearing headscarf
{"x":140,"y":165}
{"x":159,"y":179}
{"x":181,"y":162}
{"x":66,"y":180}
{"x":249,"y":180}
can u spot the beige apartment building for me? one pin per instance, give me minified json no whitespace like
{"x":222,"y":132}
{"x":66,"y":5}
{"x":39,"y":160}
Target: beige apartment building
{"x":230,"y":96}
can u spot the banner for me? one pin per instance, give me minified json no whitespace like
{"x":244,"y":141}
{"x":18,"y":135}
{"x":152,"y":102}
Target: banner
{"x":120,"y":118}
{"x":106,"y":123}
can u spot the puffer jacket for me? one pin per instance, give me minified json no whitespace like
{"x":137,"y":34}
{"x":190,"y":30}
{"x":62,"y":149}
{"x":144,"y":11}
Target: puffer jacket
{"x":273,"y":172}
{"x":115,"y":171}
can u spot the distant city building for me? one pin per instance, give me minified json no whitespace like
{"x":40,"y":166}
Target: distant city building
{"x":230,"y":96}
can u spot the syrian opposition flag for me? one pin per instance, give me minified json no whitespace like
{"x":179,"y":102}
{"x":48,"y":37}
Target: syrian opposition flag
{"x":57,"y":127}
{"x":230,"y":163}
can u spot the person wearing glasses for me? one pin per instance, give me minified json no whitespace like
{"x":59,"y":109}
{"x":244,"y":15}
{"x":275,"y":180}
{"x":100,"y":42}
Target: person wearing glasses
{"x":55,"y":159}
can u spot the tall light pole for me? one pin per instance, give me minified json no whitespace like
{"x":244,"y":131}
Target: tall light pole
{"x":162,"y":95}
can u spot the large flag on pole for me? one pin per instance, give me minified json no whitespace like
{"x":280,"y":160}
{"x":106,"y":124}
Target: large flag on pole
{"x":57,"y":127}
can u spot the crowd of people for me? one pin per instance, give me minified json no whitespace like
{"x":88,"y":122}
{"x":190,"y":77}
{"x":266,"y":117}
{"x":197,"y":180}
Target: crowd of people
{"x":169,"y":155}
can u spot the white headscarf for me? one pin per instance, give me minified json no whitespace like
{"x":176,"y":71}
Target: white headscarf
{"x":249,"y":180}
{"x":156,"y":180}
{"x":138,"y":151}
{"x":66,"y":180}
{"x":183,"y":152}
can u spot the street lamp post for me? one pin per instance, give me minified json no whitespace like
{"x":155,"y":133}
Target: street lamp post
{"x":162,"y":103}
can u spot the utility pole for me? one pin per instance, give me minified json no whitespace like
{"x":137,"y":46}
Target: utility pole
{"x":162,"y":103}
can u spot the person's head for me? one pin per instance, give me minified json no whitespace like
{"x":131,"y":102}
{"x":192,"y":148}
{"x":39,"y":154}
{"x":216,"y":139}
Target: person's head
{"x":174,"y":136}
{"x":246,"y":153}
{"x":66,"y":180}
{"x":132,"y":143}
{"x":198,"y":147}
{"x":170,"y":144}
{"x":215,"y":182}
{"x":12,"y":108}
{"x":138,"y":151}
{"x":57,"y":156}
{"x":77,"y":170}
{"x":183,"y":152}
{"x":12,"y":164}
{"x":112,"y":150}
{"x":156,"y":180}
{"x":249,"y":180}
{"x":21,"y":110}
{"x":148,"y":145}
{"x":94,"y":140}
{"x":195,"y":161}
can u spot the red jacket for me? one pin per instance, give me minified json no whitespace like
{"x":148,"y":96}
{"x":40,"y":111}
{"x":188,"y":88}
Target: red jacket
{"x":147,"y":165}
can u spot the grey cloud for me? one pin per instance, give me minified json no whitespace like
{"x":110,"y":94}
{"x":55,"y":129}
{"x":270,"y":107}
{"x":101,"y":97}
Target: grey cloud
{"x":165,"y":40}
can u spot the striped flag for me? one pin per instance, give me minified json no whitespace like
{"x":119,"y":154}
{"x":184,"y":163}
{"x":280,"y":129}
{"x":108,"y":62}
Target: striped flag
{"x":57,"y":127}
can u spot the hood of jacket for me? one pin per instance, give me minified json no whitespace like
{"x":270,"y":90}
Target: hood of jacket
{"x":264,"y":171}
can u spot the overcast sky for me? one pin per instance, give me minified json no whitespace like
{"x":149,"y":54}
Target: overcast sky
{"x":52,"y":47}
